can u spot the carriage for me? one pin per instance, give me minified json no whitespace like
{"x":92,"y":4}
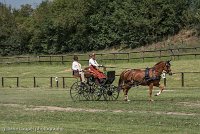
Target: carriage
{"x":93,"y":90}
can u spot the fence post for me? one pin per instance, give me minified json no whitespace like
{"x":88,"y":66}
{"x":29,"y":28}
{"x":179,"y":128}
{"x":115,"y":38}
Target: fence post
{"x":142,"y":55}
{"x":17,"y":81}
{"x":63,"y":82}
{"x":101,"y":57}
{"x":51,"y":85}
{"x":2,"y":82}
{"x":38,"y":58}
{"x":182,"y":79}
{"x":34,"y":82}
{"x":62,"y":60}
{"x":28,"y":59}
{"x":114,"y":57}
{"x":160,"y":54}
{"x":57,"y":82}
{"x":128,"y":57}
{"x":50,"y":59}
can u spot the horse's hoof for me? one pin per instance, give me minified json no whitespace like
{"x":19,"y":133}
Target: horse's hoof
{"x":151,"y":100}
{"x":157,"y":94}
{"x":127,"y":100}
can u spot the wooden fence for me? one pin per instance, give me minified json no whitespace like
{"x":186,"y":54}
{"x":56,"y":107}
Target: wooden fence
{"x":53,"y":81}
{"x":61,"y":82}
{"x":121,"y":56}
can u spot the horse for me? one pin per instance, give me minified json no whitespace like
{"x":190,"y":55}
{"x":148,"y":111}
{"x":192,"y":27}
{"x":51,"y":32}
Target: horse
{"x":145,"y":77}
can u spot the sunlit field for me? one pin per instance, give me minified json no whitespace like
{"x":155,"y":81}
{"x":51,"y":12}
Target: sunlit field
{"x":175,"y":111}
{"x":25,"y":109}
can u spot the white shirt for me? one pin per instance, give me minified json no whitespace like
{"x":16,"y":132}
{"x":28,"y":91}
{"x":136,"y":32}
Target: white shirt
{"x":93,"y":62}
{"x":76,"y":66}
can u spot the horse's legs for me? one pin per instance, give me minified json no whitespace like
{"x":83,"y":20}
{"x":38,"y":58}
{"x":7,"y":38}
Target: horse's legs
{"x":162,"y":87}
{"x":150,"y":92}
{"x":125,"y":90}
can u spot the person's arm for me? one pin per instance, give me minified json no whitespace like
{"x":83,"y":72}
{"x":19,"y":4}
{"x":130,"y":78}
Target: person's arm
{"x":73,"y":66}
{"x":93,"y":63}
{"x":79,"y":67}
{"x":96,"y":63}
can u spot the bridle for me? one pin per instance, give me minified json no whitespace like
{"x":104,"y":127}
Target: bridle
{"x":168,"y":65}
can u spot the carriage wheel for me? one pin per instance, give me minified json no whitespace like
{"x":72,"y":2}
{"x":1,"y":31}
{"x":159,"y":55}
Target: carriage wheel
{"x":95,"y":92}
{"x":111,"y":93}
{"x":78,"y":91}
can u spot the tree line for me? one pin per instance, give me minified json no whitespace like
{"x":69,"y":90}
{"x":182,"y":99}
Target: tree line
{"x":61,"y":26}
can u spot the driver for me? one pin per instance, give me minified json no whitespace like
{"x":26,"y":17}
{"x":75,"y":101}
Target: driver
{"x":93,"y":62}
{"x":93,"y":66}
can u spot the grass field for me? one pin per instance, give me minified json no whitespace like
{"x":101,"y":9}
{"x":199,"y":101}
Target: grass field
{"x":51,"y":110}
{"x":26,"y":72}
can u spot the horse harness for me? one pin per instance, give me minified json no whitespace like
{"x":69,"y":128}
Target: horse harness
{"x":147,"y":77}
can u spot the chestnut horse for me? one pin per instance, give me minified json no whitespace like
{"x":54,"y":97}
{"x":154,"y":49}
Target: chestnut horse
{"x":148,"y":77}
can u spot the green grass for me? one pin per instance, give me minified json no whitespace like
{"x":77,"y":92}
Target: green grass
{"x":26,"y":72}
{"x":175,"y":111}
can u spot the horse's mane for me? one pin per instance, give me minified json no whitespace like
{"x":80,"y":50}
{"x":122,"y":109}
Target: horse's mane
{"x":158,"y":63}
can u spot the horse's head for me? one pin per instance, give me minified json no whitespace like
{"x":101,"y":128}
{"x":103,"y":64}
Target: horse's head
{"x":167,"y":67}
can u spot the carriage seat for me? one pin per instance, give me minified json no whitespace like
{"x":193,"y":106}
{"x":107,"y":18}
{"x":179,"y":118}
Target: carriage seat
{"x":76,"y":74}
{"x":110,"y":77}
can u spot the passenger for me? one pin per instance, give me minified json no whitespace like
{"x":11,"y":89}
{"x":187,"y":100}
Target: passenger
{"x":76,"y":67}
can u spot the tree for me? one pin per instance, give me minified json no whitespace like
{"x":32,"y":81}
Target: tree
{"x":7,"y":26}
{"x":61,"y":26}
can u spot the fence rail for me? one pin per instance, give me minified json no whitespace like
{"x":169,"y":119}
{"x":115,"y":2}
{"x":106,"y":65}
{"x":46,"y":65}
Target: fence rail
{"x":62,"y":81}
{"x":126,"y":56}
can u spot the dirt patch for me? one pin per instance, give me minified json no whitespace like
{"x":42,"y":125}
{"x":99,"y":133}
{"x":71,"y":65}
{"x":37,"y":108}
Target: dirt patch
{"x":25,"y":73}
{"x":70,"y":109}
{"x":175,"y":113}
{"x":66,"y":70}
{"x":189,"y":104}
{"x":12,"y":105}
